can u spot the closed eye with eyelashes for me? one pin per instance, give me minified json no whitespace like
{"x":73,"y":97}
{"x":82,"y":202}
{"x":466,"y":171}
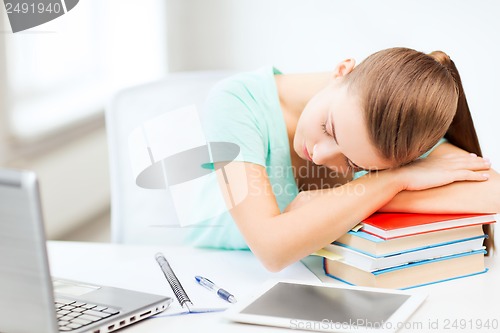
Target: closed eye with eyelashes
{"x":348,"y":162}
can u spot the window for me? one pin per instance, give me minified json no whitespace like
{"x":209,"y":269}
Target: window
{"x":65,"y":70}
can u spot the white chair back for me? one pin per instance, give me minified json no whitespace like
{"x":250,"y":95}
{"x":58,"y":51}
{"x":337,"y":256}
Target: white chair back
{"x":139,"y":215}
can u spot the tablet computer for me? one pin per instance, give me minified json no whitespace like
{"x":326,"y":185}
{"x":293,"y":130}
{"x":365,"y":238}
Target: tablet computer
{"x":327,"y":307}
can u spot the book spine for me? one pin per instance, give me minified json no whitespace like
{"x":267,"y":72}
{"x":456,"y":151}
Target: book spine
{"x":418,"y":285}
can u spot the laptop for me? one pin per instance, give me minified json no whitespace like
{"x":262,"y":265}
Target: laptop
{"x":30,"y":300}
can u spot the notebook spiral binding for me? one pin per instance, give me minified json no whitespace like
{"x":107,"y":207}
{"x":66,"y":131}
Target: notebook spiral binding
{"x":174,"y":282}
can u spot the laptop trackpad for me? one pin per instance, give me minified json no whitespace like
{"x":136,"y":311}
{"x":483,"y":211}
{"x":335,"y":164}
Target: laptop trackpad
{"x":72,"y":288}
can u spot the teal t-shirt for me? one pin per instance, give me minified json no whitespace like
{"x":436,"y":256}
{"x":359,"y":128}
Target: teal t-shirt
{"x":245,"y":110}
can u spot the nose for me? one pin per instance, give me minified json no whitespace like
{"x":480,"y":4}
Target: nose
{"x":325,"y":153}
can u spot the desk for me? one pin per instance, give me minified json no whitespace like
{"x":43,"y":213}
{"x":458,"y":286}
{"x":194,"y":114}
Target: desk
{"x":471,"y":299}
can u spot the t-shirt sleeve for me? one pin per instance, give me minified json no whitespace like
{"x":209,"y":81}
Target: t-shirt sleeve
{"x":229,"y":116}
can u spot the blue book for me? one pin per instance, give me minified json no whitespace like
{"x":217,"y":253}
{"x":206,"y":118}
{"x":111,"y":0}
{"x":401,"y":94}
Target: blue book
{"x":410,"y":275}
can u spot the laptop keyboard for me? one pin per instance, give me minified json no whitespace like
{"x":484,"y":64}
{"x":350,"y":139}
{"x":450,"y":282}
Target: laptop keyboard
{"x":72,"y":315}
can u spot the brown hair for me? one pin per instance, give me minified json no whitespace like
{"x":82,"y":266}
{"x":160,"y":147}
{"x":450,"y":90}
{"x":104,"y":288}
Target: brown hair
{"x":462,"y":132}
{"x":411,"y":100}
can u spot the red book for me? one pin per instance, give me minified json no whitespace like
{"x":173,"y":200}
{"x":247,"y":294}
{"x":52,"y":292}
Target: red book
{"x":394,"y":225}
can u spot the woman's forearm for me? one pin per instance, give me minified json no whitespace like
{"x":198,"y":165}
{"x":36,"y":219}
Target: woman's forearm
{"x":459,"y":197}
{"x":279,"y":239}
{"x":320,"y":221}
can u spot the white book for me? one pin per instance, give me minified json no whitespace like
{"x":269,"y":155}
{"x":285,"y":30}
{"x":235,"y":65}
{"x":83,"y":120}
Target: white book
{"x":371,"y":263}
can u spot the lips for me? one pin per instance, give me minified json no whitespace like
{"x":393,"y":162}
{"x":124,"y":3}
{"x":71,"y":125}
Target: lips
{"x":306,"y":153}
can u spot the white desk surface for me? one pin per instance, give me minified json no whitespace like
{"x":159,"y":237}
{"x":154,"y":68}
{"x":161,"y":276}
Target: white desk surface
{"x":460,"y":305}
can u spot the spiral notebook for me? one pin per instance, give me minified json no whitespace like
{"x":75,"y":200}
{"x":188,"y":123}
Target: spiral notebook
{"x":238,"y":272}
{"x":185,"y":304}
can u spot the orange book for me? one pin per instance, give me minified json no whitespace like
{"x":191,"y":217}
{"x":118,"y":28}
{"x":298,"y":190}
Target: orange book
{"x":410,"y":275}
{"x":394,"y":225}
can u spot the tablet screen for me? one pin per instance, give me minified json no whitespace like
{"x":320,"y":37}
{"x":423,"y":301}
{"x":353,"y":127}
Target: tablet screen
{"x":316,"y":303}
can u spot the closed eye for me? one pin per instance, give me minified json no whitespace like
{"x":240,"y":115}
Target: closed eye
{"x":323,"y":127}
{"x":350,"y":164}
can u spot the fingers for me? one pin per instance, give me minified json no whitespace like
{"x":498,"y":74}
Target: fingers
{"x":468,"y":175}
{"x":443,"y":170}
{"x":480,"y":163}
{"x":468,"y":167}
{"x":473,"y":168}
{"x":472,"y":162}
{"x":459,"y":156}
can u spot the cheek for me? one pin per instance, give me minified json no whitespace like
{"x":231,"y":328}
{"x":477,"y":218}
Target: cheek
{"x":311,"y":124}
{"x":302,"y":129}
{"x":308,"y":128}
{"x":337,"y":162}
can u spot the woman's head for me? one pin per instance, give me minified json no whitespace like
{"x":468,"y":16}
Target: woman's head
{"x":385,"y":112}
{"x":408,"y":98}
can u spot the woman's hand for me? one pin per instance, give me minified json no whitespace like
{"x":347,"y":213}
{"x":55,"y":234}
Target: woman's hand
{"x":422,"y":174}
{"x":435,"y":171}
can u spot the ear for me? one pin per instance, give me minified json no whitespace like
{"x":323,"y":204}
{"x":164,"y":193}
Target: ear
{"x":344,"y":68}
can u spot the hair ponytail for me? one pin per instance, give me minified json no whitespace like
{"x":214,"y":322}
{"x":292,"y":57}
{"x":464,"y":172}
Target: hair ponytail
{"x":461,"y":132}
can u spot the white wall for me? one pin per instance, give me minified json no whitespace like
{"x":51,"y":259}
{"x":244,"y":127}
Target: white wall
{"x":312,"y":35}
{"x":74,"y":180}
{"x":91,"y":51}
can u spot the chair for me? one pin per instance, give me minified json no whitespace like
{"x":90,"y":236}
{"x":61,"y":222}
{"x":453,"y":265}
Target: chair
{"x":136,"y":212}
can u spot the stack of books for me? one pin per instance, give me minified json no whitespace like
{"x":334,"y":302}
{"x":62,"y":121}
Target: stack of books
{"x":400,"y":251}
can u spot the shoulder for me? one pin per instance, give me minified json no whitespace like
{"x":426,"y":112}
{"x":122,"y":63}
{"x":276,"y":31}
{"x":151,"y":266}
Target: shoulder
{"x":245,"y":85}
{"x":242,"y":109}
{"x":447,"y":148}
{"x":246,"y":96}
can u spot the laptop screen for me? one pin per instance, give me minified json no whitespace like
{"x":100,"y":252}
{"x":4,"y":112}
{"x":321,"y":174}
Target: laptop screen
{"x":25,"y":282}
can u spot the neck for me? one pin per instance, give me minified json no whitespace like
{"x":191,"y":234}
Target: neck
{"x":295,"y":90}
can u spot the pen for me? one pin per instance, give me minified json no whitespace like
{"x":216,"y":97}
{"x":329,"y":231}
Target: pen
{"x":224,"y":294}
